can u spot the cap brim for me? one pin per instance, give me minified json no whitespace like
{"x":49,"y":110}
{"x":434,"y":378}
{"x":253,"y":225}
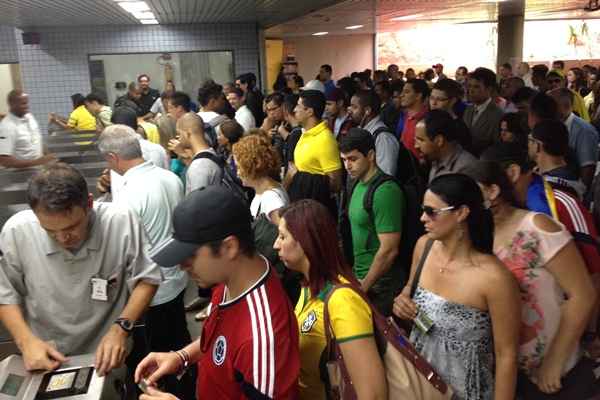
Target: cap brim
{"x":173,"y":252}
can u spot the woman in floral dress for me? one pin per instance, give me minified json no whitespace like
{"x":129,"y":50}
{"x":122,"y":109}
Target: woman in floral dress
{"x":557,"y":294}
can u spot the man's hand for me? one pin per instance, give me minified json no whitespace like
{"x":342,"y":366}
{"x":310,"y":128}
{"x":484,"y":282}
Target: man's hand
{"x":40,"y":355}
{"x":157,"y":365}
{"x":51,"y":118}
{"x":103,"y":183}
{"x":283,"y":132}
{"x":111,"y":351}
{"x":176,"y":147}
{"x":47,"y":158}
{"x":155,"y":394}
{"x":268,"y":124}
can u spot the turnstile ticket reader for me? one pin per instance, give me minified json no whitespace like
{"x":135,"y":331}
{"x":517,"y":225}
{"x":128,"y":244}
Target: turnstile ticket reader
{"x":74,"y":380}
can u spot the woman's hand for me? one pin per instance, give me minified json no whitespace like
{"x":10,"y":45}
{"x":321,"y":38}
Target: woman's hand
{"x":404,"y":307}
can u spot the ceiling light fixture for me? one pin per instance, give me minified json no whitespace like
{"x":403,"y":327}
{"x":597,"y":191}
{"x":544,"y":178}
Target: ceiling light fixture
{"x":149,"y":21}
{"x":352,"y":27}
{"x":144,"y":15}
{"x":406,"y":17}
{"x":320,"y":33}
{"x":134,"y":6}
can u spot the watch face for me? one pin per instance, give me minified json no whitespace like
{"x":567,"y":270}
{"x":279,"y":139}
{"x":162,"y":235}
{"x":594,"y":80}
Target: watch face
{"x":126,"y":324}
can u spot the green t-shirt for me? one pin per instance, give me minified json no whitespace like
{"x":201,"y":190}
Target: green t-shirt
{"x":389,"y":207}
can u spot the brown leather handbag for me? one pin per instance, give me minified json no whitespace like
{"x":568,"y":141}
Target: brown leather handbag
{"x":409,"y":376}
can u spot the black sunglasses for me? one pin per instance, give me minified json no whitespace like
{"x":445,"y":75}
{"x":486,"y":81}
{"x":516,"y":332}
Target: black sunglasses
{"x":434,"y":212}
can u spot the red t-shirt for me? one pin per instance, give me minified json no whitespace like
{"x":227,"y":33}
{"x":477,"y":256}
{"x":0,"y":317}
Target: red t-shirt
{"x":578,"y":220}
{"x":250,"y":345}
{"x":408,"y":133}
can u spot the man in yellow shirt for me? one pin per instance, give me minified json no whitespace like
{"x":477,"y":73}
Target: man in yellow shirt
{"x":80,"y":118}
{"x":317,"y":150}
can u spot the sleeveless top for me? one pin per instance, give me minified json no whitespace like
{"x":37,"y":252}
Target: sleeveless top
{"x":541,"y":297}
{"x":459,"y":345}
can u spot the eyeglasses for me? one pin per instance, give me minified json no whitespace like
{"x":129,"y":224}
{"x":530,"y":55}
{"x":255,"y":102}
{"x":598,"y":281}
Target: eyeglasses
{"x":434,"y":212}
{"x":551,"y":81}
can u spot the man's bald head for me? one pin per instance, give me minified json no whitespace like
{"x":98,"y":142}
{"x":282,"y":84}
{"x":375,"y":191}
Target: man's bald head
{"x":192,"y":123}
{"x":190,"y":127}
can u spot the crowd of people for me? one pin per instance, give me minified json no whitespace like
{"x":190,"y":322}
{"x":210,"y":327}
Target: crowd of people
{"x":464,"y":209}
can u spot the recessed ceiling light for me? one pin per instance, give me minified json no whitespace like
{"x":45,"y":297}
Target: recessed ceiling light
{"x":320,"y":33}
{"x":352,"y":27}
{"x":134,"y":6}
{"x":149,"y":21}
{"x":406,"y":17}
{"x":144,"y":15}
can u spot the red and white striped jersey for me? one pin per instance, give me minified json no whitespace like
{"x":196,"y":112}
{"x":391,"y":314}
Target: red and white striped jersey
{"x":579,"y":221}
{"x":250,"y":345}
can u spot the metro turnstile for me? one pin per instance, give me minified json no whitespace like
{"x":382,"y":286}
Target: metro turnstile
{"x":74,"y":380}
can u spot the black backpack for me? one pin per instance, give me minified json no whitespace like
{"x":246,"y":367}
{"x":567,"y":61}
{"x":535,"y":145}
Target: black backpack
{"x":229,"y":180}
{"x":408,"y":171}
{"x":412,"y":228}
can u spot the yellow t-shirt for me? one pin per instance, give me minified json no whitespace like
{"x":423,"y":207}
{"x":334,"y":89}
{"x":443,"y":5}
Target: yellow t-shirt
{"x":350,"y":318}
{"x":151,"y":130}
{"x":82,"y":120}
{"x":317,"y":151}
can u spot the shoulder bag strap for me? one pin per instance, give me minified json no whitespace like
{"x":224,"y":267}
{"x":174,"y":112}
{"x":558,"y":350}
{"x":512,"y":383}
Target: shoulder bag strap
{"x":417,"y":277}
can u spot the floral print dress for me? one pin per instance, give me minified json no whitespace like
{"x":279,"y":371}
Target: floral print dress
{"x":529,"y":250}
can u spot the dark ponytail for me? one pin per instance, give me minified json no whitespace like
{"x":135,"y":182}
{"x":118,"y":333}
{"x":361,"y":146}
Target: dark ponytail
{"x":460,"y":190}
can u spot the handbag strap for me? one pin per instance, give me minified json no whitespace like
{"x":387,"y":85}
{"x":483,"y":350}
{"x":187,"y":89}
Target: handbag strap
{"x":417,"y":277}
{"x":389,"y":330}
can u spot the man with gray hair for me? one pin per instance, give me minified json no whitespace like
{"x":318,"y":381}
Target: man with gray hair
{"x":152,"y":193}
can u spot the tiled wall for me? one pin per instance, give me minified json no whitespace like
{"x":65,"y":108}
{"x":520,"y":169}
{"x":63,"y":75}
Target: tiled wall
{"x":58,"y":67}
{"x":8,"y":45}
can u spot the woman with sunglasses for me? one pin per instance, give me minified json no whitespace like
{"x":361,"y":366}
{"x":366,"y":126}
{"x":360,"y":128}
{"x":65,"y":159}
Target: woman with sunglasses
{"x":465,"y":301}
{"x":307,"y":243}
{"x":556,"y":290}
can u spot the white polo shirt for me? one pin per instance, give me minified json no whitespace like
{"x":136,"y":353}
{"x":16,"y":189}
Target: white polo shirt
{"x":20,"y":137}
{"x":153,"y":193}
{"x":53,"y":286}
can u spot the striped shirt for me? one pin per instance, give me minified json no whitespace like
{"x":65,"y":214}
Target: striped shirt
{"x":250,"y":344}
{"x":580,"y":223}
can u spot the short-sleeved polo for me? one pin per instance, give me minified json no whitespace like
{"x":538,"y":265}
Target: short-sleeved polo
{"x":317,"y":151}
{"x":53,"y":285}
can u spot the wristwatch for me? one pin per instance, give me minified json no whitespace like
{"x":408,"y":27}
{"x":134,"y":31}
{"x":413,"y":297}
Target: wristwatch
{"x":125,"y":324}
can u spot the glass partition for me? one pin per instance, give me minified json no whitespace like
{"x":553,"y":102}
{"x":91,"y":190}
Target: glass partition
{"x":111,"y":73}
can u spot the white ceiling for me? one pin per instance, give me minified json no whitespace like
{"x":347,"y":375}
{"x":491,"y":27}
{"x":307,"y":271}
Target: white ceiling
{"x":32,"y":13}
{"x":287,"y":17}
{"x":377,"y":15}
